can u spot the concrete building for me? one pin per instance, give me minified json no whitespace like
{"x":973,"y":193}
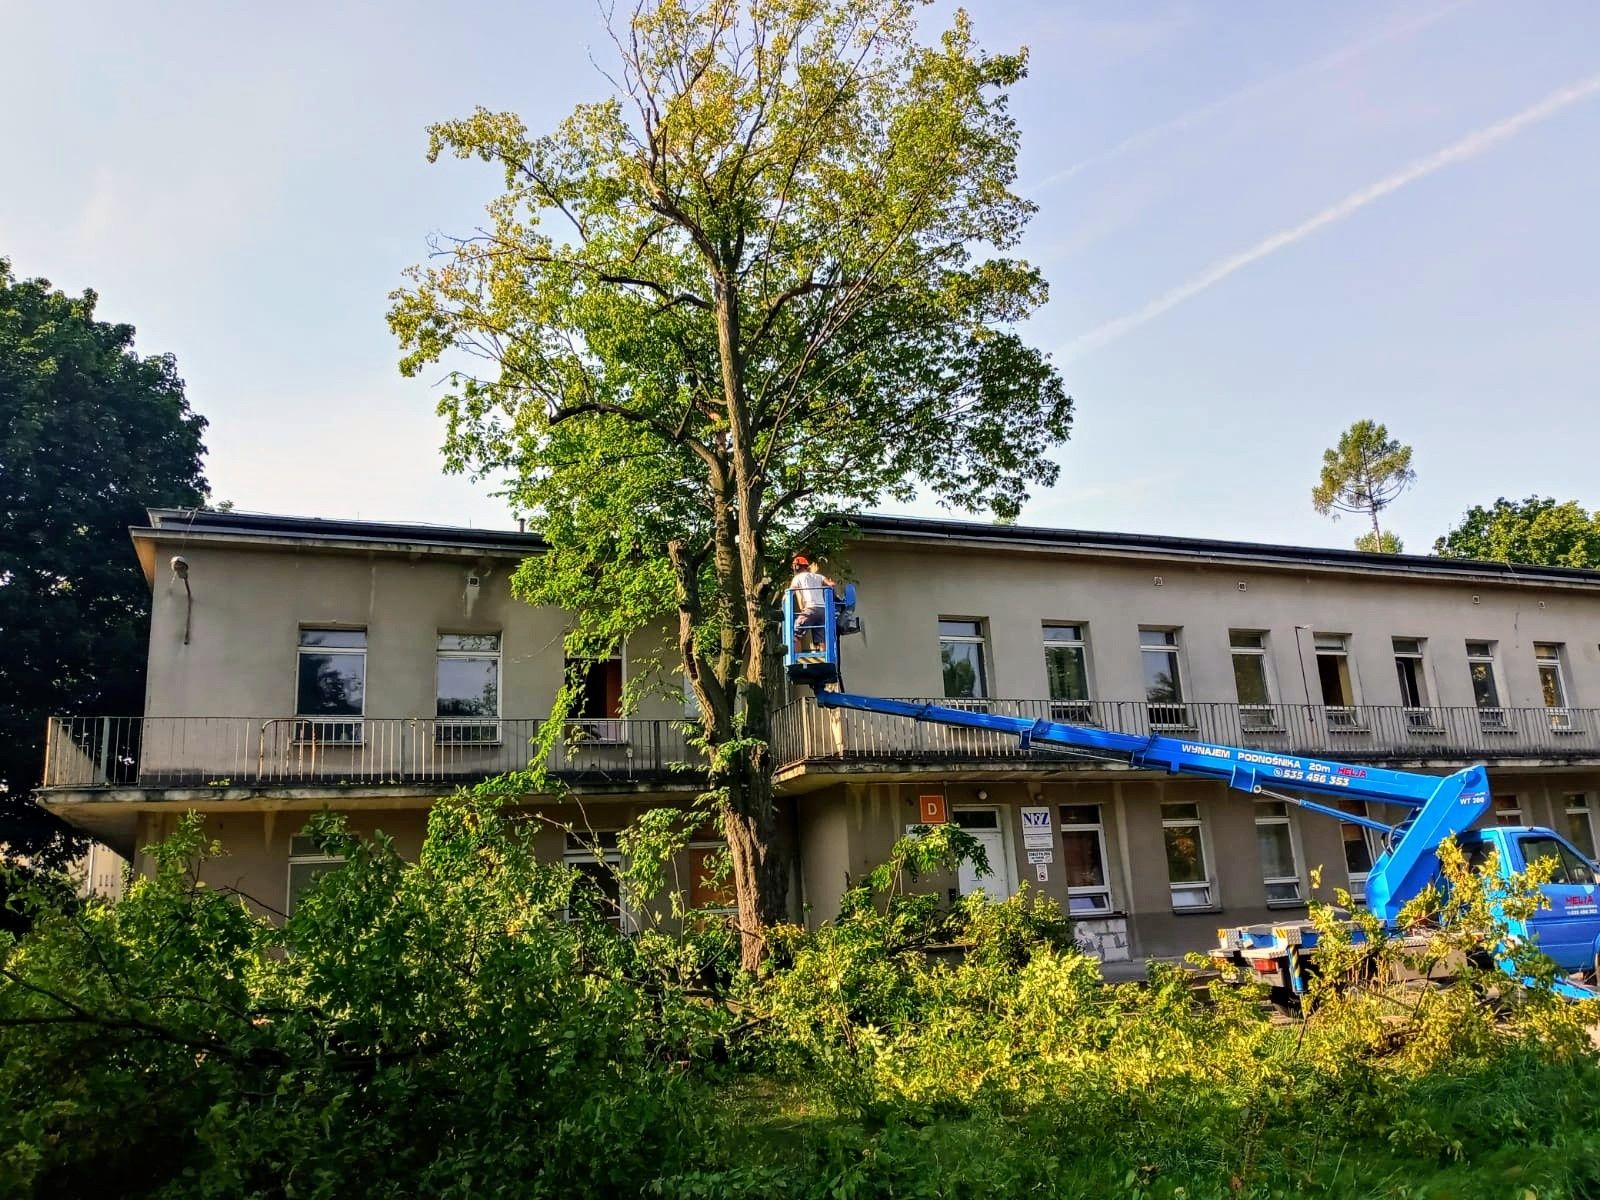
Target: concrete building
{"x":369,"y":668}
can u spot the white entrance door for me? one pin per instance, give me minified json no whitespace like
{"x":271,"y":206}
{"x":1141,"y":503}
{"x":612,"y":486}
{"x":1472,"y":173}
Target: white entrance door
{"x":999,"y":881}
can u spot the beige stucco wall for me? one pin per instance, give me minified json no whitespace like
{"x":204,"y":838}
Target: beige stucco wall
{"x":905,"y":589}
{"x":221,"y":700}
{"x":250,"y":604}
{"x":255,"y":844}
{"x":848,"y":829}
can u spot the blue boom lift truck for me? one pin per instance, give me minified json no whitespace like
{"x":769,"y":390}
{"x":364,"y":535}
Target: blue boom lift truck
{"x":1567,"y":929}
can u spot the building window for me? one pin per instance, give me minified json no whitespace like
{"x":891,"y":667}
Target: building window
{"x":598,"y":707}
{"x":1163,"y":680}
{"x":1083,"y":847}
{"x":1408,"y":667}
{"x":1251,"y":682}
{"x":331,"y":685}
{"x":1580,"y":822}
{"x":468,"y":685}
{"x":1507,"y":810}
{"x":1275,"y":840}
{"x":1066,"y":666}
{"x":1553,"y":683}
{"x":1187,"y":867}
{"x":710,"y":877}
{"x":307,"y":864}
{"x":1333,"y":674}
{"x":1485,"y":685}
{"x":1359,"y":850}
{"x":961,"y":659}
{"x":1413,"y":683}
{"x":597,"y":889}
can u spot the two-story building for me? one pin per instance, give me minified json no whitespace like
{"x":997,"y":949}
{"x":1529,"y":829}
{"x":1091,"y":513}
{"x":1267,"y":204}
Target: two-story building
{"x":370,"y":668}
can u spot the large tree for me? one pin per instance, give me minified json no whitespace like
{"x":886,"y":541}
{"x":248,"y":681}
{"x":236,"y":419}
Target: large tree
{"x":1536,"y":530}
{"x":90,"y":433}
{"x":764,"y":279}
{"x":1364,"y":473}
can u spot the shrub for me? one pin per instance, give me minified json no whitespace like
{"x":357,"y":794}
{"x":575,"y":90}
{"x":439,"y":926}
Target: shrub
{"x":465,"y":1026}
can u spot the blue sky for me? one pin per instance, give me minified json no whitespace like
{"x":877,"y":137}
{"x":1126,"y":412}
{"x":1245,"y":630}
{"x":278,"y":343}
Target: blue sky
{"x":1259,"y":221}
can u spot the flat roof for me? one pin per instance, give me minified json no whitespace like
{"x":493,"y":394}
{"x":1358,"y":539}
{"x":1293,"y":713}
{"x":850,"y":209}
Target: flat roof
{"x":929,"y":530}
{"x":170,"y":524}
{"x":174,"y":527}
{"x":190,"y":520}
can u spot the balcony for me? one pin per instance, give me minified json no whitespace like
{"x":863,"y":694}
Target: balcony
{"x":806,"y":737}
{"x":312,"y":752}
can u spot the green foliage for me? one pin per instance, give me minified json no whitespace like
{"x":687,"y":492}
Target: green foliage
{"x":766,"y":279}
{"x":90,"y":435}
{"x":1364,"y":473}
{"x":444,"y":1028}
{"x":1536,"y":530}
{"x":1380,"y":543}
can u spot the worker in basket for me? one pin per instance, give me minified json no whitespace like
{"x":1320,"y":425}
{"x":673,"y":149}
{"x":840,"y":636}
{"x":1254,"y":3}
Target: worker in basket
{"x":812,"y":590}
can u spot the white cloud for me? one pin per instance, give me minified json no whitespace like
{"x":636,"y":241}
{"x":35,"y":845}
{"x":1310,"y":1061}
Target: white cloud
{"x":1468,"y":147}
{"x":1205,"y":112}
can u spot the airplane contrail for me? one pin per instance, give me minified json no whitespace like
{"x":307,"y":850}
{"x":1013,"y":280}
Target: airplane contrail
{"x":1195,"y":116}
{"x":1468,"y":147}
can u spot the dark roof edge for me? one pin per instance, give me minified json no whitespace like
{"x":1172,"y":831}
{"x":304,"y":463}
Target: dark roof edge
{"x":247,"y":524}
{"x":872,"y":524}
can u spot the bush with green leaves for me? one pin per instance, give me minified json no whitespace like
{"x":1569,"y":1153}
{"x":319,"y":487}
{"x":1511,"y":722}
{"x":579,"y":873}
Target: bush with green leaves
{"x":470,"y":1025}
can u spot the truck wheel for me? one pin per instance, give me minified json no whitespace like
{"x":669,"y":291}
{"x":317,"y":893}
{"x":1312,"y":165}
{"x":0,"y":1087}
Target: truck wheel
{"x":1284,"y":1001}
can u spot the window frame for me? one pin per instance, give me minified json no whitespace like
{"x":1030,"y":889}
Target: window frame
{"x":329,"y":729}
{"x":1369,"y":839}
{"x":979,"y":639}
{"x":1296,"y":880}
{"x":578,"y":852}
{"x":1204,"y":888}
{"x":1514,"y":808}
{"x":1560,"y":715}
{"x":1585,"y":810}
{"x":1254,"y":717}
{"x":1176,"y":714}
{"x":1420,"y":717}
{"x":488,"y":728}
{"x":1490,"y":717}
{"x":310,"y":858}
{"x":702,"y":841}
{"x":1340,"y":717}
{"x":1062,"y":708}
{"x":606,"y":730}
{"x":1098,"y":829}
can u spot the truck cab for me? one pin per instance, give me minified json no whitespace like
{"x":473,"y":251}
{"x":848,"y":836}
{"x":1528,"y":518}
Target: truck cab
{"x":1568,"y":928}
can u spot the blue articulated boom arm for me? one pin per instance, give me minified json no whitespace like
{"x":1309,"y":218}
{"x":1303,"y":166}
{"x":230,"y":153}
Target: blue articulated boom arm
{"x":1441,"y":805}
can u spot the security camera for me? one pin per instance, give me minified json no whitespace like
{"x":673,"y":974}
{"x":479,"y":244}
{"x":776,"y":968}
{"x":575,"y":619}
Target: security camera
{"x":180,"y":566}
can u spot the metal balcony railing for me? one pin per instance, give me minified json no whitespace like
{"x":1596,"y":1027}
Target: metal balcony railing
{"x":221,"y":752}
{"x":803,"y":733}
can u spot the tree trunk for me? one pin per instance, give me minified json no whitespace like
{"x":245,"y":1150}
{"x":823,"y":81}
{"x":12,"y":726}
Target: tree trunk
{"x":755,"y":847}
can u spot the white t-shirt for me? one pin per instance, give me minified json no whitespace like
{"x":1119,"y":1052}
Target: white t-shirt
{"x":813,"y":589}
